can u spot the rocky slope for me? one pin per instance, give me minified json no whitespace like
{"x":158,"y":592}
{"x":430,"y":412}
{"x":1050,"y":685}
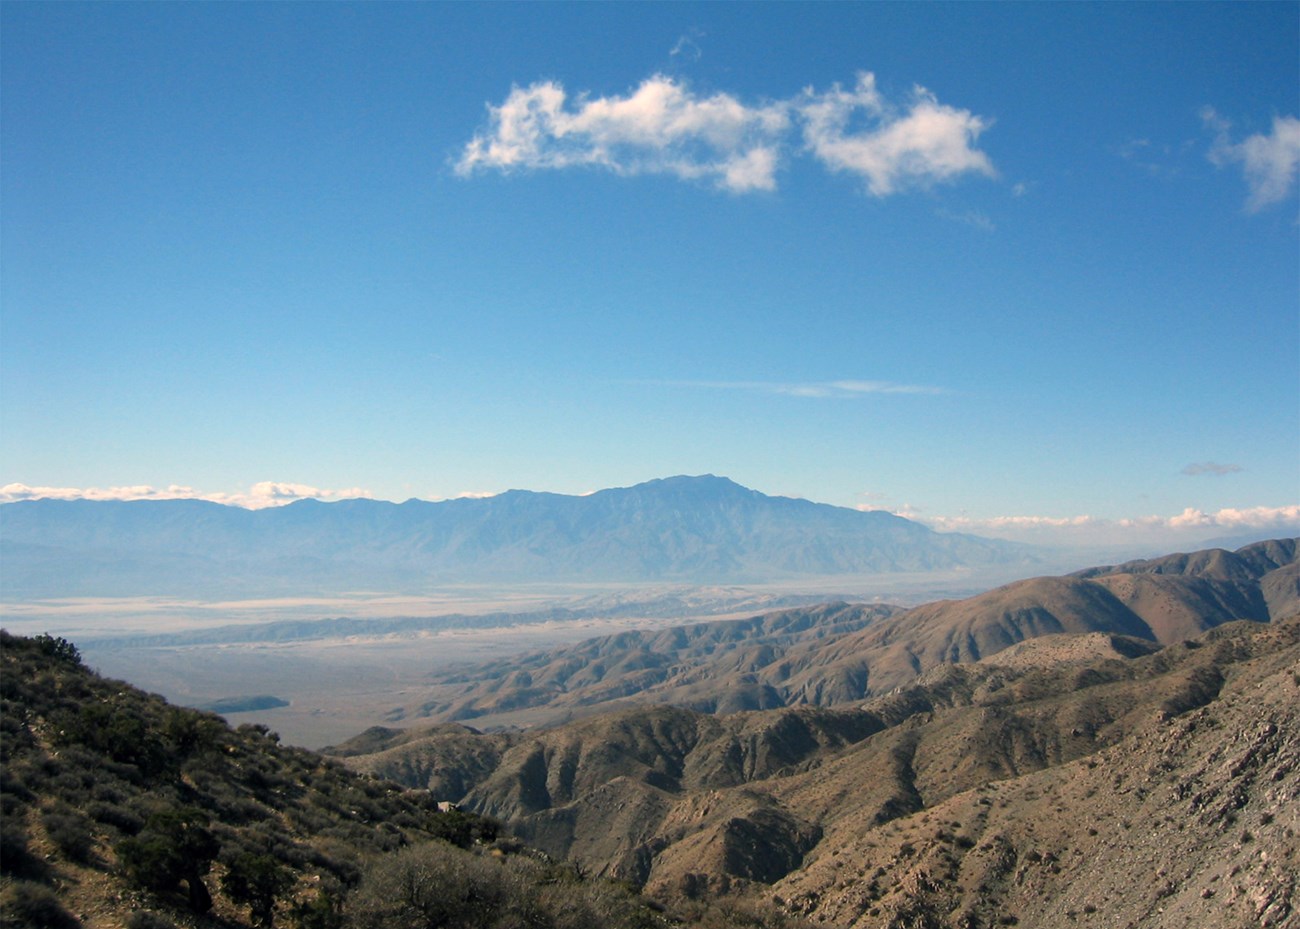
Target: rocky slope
{"x":1077,"y":781}
{"x":1189,"y":819}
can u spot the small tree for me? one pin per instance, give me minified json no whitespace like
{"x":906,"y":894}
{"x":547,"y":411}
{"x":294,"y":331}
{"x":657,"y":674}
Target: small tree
{"x":257,"y":881}
{"x":58,"y":648}
{"x":174,"y":846}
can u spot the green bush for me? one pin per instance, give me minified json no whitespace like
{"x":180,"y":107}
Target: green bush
{"x":58,"y":648}
{"x":174,"y":846}
{"x":257,"y":881}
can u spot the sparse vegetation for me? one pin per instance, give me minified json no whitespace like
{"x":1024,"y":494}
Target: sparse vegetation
{"x":200,"y":825}
{"x":967,"y":798}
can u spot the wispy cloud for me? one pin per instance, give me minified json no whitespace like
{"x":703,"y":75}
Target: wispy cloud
{"x":973,"y":218}
{"x":1270,"y":161}
{"x":688,"y":46}
{"x":1212,"y":468}
{"x":259,"y":496}
{"x":1157,"y":159}
{"x":663,"y":127}
{"x":812,"y":389}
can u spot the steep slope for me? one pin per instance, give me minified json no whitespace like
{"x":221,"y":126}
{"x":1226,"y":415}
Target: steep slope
{"x":1187,"y":820}
{"x":705,"y":528}
{"x":837,"y":654}
{"x":120,"y":810}
{"x":802,"y":798}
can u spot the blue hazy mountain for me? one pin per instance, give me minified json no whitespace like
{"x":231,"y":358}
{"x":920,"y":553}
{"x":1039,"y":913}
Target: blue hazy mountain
{"x":681,"y":529}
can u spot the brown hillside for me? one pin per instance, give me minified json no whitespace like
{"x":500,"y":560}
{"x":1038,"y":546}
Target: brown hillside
{"x":812,"y":802}
{"x":839,"y":654}
{"x":1190,"y":820}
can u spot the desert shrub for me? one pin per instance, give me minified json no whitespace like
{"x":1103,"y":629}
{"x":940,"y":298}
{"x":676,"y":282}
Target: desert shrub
{"x":309,"y":819}
{"x":242,"y":811}
{"x":120,"y":732}
{"x":122,"y":817}
{"x":15,"y":857}
{"x":70,"y":833}
{"x":462,"y":829}
{"x":13,"y":782}
{"x":428,"y":886}
{"x":15,"y":738}
{"x":11,"y":804}
{"x":24,"y":905}
{"x":323,"y":911}
{"x":191,"y":732}
{"x":338,"y":858}
{"x":13,"y":849}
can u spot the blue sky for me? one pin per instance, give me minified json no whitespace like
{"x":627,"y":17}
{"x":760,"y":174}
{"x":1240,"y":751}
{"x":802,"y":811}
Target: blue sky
{"x":1027,"y":270}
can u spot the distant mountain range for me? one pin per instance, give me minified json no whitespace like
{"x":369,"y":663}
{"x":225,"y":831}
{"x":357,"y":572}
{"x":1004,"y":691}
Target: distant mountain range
{"x":699,"y":529}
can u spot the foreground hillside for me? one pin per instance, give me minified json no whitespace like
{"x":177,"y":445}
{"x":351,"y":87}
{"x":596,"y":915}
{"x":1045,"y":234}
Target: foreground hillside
{"x":694,"y":529}
{"x":1071,"y":780}
{"x":122,"y":811}
{"x":832,"y":655}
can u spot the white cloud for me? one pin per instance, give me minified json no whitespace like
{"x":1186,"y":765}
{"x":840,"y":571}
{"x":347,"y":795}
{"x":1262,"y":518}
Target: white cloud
{"x":1270,"y":161}
{"x":814,"y":389}
{"x":925,"y":143}
{"x":1190,"y":525}
{"x":1258,"y":517}
{"x":261,"y":495}
{"x":662,"y":127}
